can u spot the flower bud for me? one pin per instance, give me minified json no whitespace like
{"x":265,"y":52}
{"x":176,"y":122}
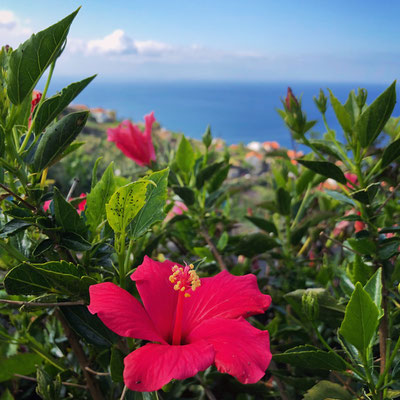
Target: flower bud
{"x":361,"y":98}
{"x":207,"y":137}
{"x":310,"y":305}
{"x":291,"y":100}
{"x":321,"y":101}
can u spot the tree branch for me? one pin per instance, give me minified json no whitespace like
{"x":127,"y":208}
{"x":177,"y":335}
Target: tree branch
{"x":31,"y":304}
{"x":29,"y":378}
{"x":213,"y":249}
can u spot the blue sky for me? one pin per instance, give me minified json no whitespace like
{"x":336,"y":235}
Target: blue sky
{"x":253,"y":40}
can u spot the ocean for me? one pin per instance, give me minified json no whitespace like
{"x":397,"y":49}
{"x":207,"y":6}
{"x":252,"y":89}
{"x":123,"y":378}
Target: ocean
{"x":237,"y":112}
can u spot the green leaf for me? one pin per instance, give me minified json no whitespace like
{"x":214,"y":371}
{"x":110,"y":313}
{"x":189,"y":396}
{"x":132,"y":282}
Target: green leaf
{"x":153,"y":209}
{"x":13,"y":227}
{"x":219,"y":179}
{"x":391,"y":153}
{"x":326,"y":169}
{"x":373,"y":118}
{"x":23,"y":364}
{"x":51,"y":277}
{"x":223,"y":241}
{"x":98,"y":197}
{"x":363,"y":245}
{"x":207,"y":173}
{"x":304,"y":180}
{"x":327,"y":147}
{"x":341,"y":114}
{"x":57,"y":138}
{"x":75,"y":242}
{"x":254,"y":244}
{"x":360,"y":320}
{"x":67,"y":216}
{"x":374,"y":288}
{"x":28,"y":62}
{"x":185,"y":155}
{"x":263,"y":224}
{"x":125,"y":203}
{"x":311,"y":358}
{"x":366,"y":195}
{"x":283,"y":200}
{"x":340,"y":197}
{"x":54,"y":105}
{"x":388,"y":248}
{"x":327,"y":390}
{"x":88,"y":326}
{"x":185,"y":193}
{"x":117,"y":365}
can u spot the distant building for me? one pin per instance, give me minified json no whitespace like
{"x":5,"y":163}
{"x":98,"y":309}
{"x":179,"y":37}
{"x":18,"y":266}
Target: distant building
{"x":101,"y":115}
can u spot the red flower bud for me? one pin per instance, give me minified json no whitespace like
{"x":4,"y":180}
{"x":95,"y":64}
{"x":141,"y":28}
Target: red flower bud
{"x":290,"y":97}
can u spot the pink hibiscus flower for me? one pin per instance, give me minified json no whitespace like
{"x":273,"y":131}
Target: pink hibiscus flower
{"x":191,"y":322}
{"x":134,"y":143}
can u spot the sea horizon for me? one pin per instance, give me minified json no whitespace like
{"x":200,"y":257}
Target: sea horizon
{"x":237,"y":111}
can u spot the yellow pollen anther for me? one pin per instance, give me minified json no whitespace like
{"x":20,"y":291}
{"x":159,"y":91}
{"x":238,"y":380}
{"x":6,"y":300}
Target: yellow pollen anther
{"x":172,"y":279}
{"x":183,"y":288}
{"x":191,"y":266}
{"x":187,"y":295}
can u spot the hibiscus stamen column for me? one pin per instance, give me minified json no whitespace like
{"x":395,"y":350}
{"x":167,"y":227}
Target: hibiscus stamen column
{"x":184,"y":279}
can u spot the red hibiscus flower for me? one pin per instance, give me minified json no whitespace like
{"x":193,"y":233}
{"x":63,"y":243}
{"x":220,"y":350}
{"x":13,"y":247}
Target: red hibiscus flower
{"x":191,"y":322}
{"x":134,"y":143}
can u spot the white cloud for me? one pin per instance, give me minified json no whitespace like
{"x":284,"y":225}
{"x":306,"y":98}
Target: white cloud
{"x":7,"y":19}
{"x":152,"y":48}
{"x":12,"y":29}
{"x":118,"y":42}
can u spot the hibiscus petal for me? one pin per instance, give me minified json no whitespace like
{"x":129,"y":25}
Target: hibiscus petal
{"x":121,"y":312}
{"x":240,"y":349}
{"x":154,"y":365}
{"x":157,"y":293}
{"x":224,"y":296}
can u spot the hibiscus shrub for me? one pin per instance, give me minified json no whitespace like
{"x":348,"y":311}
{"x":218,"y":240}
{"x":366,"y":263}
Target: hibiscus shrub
{"x":91,"y":306}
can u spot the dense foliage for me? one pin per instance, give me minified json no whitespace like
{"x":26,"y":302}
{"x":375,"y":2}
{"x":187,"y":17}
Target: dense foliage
{"x":319,"y":232}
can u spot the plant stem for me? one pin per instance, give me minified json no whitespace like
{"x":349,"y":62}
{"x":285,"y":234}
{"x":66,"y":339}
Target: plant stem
{"x":121,"y":260}
{"x":369,"y":379}
{"x":388,"y":364}
{"x":301,"y":208}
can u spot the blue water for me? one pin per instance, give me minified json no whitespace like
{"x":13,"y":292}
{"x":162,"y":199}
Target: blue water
{"x":237,"y":112}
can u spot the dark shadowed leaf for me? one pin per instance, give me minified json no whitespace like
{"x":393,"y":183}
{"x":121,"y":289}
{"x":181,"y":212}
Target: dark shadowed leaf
{"x":88,"y":326}
{"x":263,"y":224}
{"x":57,"y":138}
{"x":311,"y":357}
{"x":325,"y":168}
{"x":67,"y":216}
